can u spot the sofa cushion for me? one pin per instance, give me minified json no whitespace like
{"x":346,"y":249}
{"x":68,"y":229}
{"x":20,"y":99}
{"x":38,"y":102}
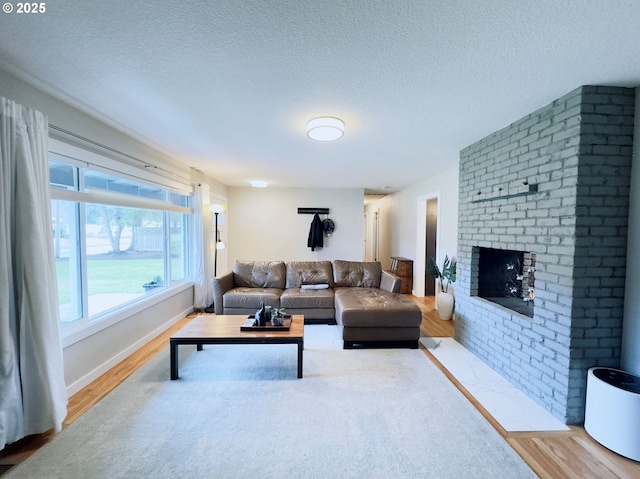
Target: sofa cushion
{"x":297,"y":298}
{"x":372,"y":307}
{"x":308,"y":273}
{"x":358,"y":274}
{"x":250,"y":298}
{"x":259,"y":274}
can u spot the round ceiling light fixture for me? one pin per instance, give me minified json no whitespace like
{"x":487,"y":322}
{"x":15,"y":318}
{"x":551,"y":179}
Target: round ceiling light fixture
{"x":259,"y":183}
{"x":325,"y":128}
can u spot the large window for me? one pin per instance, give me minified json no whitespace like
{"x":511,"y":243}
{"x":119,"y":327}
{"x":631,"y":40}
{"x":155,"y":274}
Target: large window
{"x":117,"y":239}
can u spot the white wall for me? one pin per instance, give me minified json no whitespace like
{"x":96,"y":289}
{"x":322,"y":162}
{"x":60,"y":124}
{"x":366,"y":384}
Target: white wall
{"x":65,"y":116}
{"x":85,"y":359}
{"x":88,"y":359}
{"x":408,"y":220}
{"x":631,"y":330}
{"x":264,"y":224}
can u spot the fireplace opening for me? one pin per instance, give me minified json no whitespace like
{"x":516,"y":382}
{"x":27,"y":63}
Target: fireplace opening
{"x":507,"y":277}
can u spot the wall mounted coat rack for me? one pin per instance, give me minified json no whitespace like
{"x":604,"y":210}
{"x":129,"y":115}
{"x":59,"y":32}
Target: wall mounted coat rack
{"x":313,"y":211}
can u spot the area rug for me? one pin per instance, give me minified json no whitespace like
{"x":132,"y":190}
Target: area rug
{"x":239,"y":411}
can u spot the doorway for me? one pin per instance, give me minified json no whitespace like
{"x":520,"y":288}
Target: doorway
{"x":431,"y":235}
{"x":372,"y":234}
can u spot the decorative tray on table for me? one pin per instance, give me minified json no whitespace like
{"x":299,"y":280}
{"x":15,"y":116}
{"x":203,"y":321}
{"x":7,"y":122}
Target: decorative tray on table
{"x":250,"y":324}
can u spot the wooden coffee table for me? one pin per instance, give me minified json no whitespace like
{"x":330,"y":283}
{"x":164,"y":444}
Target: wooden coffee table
{"x":226,"y":330}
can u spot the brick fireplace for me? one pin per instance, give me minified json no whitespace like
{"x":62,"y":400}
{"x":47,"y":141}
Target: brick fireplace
{"x":555,"y":183}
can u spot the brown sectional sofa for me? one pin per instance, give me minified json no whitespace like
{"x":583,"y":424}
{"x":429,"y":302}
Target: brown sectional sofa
{"x":359,"y":297}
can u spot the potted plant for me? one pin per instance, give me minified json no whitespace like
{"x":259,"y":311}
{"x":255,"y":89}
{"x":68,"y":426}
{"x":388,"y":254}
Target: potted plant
{"x":444,"y":276}
{"x":156,"y":282}
{"x":277,"y":316}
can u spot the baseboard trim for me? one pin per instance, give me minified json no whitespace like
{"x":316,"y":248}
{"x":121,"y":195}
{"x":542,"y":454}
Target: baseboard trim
{"x":88,"y":378}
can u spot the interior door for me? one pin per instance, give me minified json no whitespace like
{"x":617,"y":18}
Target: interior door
{"x":431,"y":238}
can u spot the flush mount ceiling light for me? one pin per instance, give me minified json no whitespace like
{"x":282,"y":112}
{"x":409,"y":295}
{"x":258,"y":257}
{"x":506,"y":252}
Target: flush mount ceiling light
{"x":325,"y":128}
{"x":259,"y":183}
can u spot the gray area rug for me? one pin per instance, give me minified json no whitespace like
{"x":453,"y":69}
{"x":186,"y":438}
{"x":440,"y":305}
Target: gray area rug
{"x":241,"y":412}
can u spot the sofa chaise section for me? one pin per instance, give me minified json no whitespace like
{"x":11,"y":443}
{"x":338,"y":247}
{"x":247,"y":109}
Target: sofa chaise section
{"x":369,"y":309}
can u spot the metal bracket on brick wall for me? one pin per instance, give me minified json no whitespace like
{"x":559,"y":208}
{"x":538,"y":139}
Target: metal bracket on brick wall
{"x":503,"y":193}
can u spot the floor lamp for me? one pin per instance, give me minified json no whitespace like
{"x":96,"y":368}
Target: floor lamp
{"x":216,"y":210}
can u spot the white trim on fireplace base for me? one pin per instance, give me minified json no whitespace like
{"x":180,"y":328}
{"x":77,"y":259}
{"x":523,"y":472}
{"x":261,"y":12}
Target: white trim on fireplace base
{"x":510,"y":407}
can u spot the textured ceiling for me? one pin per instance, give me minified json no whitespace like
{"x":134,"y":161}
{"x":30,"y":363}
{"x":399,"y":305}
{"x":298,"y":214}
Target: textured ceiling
{"x":227,"y":86}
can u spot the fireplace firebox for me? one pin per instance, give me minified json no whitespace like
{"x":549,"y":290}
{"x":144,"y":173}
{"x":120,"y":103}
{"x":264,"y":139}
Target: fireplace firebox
{"x":507,"y":277}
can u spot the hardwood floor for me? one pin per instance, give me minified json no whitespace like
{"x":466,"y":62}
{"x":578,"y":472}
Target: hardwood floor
{"x":552,"y":455}
{"x":432,"y":325}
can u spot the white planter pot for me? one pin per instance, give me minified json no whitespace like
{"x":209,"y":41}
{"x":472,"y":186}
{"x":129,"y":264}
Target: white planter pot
{"x":444,"y":304}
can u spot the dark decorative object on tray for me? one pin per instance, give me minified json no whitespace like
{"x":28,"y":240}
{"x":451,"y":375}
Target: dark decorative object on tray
{"x":251,"y":324}
{"x":263,"y":315}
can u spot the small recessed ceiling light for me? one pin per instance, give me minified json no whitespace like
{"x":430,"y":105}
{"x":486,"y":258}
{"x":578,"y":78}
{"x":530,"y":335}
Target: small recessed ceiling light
{"x":259,"y":183}
{"x":325,"y":128}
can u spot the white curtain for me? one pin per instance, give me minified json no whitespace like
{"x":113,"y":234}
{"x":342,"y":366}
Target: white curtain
{"x":203,"y":294}
{"x":33,"y":396}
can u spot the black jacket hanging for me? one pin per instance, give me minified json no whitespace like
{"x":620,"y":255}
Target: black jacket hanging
{"x":316,"y":233}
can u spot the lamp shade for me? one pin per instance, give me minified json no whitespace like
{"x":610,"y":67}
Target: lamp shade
{"x":325,"y":128}
{"x":217,"y":208}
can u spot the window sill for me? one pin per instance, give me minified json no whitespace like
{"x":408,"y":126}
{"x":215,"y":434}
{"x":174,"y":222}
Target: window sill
{"x":71,"y":335}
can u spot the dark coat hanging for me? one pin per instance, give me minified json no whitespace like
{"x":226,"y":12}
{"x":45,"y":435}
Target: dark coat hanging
{"x":316,"y":233}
